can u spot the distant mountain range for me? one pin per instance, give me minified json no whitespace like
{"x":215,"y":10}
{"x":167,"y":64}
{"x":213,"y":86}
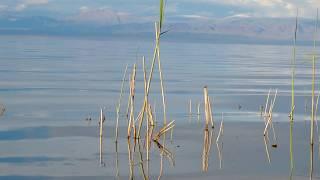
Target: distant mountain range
{"x":231,"y":29}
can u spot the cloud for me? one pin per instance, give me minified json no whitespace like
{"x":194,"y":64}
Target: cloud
{"x":26,"y":3}
{"x":20,"y":7}
{"x":84,"y":9}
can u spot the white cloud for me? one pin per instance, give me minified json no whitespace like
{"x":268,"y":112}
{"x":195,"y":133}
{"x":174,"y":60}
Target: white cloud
{"x":20,"y":7}
{"x":84,"y":8}
{"x":26,"y":3}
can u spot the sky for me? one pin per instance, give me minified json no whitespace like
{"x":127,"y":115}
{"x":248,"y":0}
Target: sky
{"x":142,"y":10}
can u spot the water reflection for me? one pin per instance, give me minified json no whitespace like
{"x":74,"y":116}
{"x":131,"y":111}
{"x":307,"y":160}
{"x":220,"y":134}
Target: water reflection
{"x":207,"y":141}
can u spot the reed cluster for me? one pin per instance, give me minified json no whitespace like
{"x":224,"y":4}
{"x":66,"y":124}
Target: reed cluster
{"x":142,"y":126}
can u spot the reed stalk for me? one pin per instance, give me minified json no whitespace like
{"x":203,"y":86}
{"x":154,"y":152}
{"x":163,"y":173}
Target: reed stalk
{"x":131,"y":161}
{"x":119,"y":103}
{"x":293,"y":64}
{"x":190,"y":110}
{"x":117,"y":163}
{"x":269,"y":121}
{"x":266,"y":107}
{"x":143,"y":110}
{"x":142,"y":169}
{"x":267,"y":149}
{"x":291,"y":147}
{"x":132,"y":95}
{"x":210,"y":112}
{"x":198,"y":114}
{"x":220,"y":154}
{"x":207,"y":141}
{"x":101,"y":137}
{"x":316,"y":122}
{"x":220,"y":130}
{"x":314,"y":57}
{"x":206,"y":107}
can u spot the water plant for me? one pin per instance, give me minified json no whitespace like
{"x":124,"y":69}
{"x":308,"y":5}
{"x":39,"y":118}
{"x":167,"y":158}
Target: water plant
{"x":101,"y":121}
{"x":119,"y":104}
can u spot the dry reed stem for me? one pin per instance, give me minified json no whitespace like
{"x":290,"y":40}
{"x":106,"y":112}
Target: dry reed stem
{"x":119,"y":104}
{"x":220,"y":130}
{"x":132,"y":94}
{"x":101,"y":136}
{"x":158,"y":25}
{"x":190,"y":110}
{"x":205,"y":137}
{"x":266,"y":106}
{"x":210,"y":112}
{"x":206,"y":106}
{"x":131,"y":161}
{"x":171,"y":135}
{"x":269,"y":121}
{"x":143,"y":110}
{"x":117,"y":163}
{"x":219,"y":154}
{"x":207,"y":140}
{"x":267,"y":149}
{"x":129,"y":102}
{"x":165,"y":152}
{"x":198,"y":112}
{"x":145,"y":177}
{"x":163,"y":130}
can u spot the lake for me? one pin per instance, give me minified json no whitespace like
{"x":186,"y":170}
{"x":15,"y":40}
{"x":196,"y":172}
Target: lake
{"x":50,"y":85}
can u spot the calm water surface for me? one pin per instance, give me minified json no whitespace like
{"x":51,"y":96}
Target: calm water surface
{"x":49,"y":85}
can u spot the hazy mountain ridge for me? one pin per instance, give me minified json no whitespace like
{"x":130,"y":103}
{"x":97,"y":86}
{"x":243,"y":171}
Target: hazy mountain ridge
{"x":253,"y":28}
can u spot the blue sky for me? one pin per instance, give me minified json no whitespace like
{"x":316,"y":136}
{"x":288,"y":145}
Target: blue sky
{"x":142,"y":10}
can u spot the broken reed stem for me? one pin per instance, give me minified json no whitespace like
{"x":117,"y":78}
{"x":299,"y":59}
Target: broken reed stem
{"x":206,"y":106}
{"x":171,"y":135}
{"x":101,"y":136}
{"x":132,"y":95}
{"x":207,"y":141}
{"x":204,"y":152}
{"x":119,"y":103}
